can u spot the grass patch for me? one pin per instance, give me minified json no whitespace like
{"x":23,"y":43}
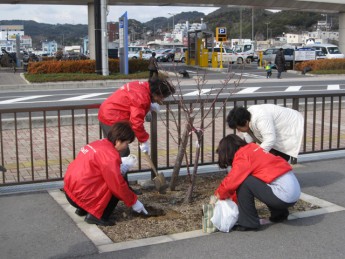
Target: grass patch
{"x":60,"y":77}
{"x":328,"y":72}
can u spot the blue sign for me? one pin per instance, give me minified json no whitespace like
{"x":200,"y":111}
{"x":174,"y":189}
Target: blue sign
{"x":222,"y":30}
{"x":121,"y":24}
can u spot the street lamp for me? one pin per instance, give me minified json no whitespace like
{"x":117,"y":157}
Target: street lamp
{"x":173,"y":27}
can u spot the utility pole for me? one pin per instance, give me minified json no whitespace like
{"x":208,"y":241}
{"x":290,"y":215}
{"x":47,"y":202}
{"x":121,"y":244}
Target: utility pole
{"x":252,"y":24}
{"x":241,"y":24}
{"x":267,"y":23}
{"x":173,"y":27}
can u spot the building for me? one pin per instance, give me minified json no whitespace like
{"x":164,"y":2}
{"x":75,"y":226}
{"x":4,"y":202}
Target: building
{"x":49,"y":47}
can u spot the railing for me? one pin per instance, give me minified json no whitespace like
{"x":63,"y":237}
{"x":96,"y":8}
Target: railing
{"x":37,"y":144}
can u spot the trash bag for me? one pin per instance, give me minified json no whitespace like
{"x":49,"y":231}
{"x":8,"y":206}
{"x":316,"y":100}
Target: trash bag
{"x":225,"y":215}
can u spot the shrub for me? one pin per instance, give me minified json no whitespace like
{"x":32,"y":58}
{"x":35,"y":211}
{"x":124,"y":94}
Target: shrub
{"x":83,"y":66}
{"x":322,"y":64}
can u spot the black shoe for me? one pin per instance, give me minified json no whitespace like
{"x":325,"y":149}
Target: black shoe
{"x":93,"y":220}
{"x":80,"y":212}
{"x":241,"y":228}
{"x":279,"y":219}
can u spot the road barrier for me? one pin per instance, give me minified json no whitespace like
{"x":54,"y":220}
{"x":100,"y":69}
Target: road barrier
{"x":37,"y":144}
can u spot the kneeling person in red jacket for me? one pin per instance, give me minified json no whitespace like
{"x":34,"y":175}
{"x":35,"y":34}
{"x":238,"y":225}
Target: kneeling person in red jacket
{"x":93,"y":182}
{"x":256,"y":173}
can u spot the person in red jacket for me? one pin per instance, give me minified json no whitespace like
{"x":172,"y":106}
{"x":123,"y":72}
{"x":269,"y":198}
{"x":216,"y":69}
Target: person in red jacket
{"x":132,"y":102}
{"x":256,"y":173}
{"x":93,"y":182}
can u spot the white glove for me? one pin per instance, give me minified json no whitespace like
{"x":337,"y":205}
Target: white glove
{"x":145,"y":147}
{"x":139,"y":207}
{"x":128,"y":162}
{"x":155,"y":107}
{"x":124,"y":168}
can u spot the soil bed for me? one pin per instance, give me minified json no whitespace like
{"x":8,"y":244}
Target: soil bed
{"x":169,"y":213}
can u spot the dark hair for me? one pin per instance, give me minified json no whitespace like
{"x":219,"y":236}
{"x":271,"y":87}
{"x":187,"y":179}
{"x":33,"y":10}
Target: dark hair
{"x":122,"y":131}
{"x":281,"y":49}
{"x":153,"y":54}
{"x":238,"y":116}
{"x":227,"y":148}
{"x":161,"y":87}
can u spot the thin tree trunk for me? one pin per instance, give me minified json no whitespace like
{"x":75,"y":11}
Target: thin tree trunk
{"x":189,"y":194}
{"x":181,"y":153}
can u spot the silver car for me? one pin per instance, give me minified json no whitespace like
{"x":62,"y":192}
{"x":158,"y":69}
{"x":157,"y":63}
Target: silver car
{"x":269,"y":55}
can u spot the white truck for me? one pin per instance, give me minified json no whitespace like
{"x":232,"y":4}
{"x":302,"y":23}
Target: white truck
{"x":247,"y":51}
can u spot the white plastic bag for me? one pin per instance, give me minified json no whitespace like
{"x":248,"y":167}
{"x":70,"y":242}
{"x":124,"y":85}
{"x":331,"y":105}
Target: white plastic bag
{"x":225,"y":215}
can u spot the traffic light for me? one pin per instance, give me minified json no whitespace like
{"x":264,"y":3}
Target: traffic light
{"x":221,"y":34}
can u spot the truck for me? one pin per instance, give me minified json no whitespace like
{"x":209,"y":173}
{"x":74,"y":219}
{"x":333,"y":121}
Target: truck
{"x":247,"y":51}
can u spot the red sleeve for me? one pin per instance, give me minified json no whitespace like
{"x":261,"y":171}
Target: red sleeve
{"x":241,"y":168}
{"x":117,"y":184}
{"x":137,"y":119}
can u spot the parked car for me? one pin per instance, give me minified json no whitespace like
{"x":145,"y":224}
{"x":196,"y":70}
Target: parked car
{"x":269,"y":55}
{"x":180,"y":54}
{"x":144,"y":54}
{"x":168,"y":56}
{"x":226,"y":54}
{"x":161,"y":54}
{"x":330,"y":50}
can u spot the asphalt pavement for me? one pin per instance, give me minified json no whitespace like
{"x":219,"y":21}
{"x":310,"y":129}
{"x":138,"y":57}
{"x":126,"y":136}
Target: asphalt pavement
{"x":41,"y":224}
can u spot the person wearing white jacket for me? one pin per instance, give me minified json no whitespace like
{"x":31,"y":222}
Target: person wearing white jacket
{"x":278,"y":130}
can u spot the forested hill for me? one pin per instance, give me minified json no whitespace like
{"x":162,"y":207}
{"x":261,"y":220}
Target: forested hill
{"x":264,"y":21}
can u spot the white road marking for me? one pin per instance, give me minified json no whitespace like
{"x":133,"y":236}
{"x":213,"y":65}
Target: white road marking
{"x":249,"y":75}
{"x":196,"y":93}
{"x":15,"y":100}
{"x":293,"y":88}
{"x":81,"y":97}
{"x":333,"y":87}
{"x":248,"y":90}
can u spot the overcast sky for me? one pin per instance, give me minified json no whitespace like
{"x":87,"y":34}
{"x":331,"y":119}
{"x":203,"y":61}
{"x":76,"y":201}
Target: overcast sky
{"x":54,"y":14}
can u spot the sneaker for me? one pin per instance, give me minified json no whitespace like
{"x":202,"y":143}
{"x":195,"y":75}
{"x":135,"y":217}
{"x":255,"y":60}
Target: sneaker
{"x":80,"y":212}
{"x":93,"y":220}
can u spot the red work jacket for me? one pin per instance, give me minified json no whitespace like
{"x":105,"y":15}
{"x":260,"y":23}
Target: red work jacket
{"x":252,"y":160}
{"x":131,"y":102}
{"x":94,"y":176}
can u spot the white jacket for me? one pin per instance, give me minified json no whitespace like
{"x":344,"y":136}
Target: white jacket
{"x":276,"y":127}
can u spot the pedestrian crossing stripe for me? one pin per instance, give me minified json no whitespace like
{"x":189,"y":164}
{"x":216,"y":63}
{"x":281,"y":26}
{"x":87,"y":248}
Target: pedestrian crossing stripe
{"x":16,"y":100}
{"x":81,"y":97}
{"x":333,"y":87}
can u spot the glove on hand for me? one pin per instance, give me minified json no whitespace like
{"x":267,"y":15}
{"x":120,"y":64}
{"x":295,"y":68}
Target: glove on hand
{"x":145,"y":147}
{"x":155,"y":107}
{"x":124,"y":168}
{"x":128,"y":163}
{"x":139,"y":207}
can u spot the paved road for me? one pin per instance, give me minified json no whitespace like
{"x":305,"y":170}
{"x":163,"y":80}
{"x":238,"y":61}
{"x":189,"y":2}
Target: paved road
{"x":7,"y":77}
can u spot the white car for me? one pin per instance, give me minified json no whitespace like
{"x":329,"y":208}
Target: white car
{"x":226,"y":54}
{"x":145,"y":53}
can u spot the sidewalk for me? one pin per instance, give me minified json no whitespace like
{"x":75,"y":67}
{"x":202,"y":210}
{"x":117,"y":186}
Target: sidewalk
{"x":34,"y":225}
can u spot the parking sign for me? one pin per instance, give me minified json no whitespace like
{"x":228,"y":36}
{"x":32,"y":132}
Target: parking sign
{"x":221,"y":30}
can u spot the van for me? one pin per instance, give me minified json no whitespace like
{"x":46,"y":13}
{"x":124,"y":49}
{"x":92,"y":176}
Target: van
{"x":135,"y":49}
{"x":330,"y":50}
{"x":226,"y":54}
{"x":180,"y":54}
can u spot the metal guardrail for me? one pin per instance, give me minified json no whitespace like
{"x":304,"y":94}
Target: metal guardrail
{"x":37,"y":144}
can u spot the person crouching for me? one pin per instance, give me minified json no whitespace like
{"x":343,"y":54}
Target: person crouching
{"x":93,"y":183}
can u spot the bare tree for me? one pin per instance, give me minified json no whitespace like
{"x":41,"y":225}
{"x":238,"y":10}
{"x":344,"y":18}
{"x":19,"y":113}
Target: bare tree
{"x":195,"y":114}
